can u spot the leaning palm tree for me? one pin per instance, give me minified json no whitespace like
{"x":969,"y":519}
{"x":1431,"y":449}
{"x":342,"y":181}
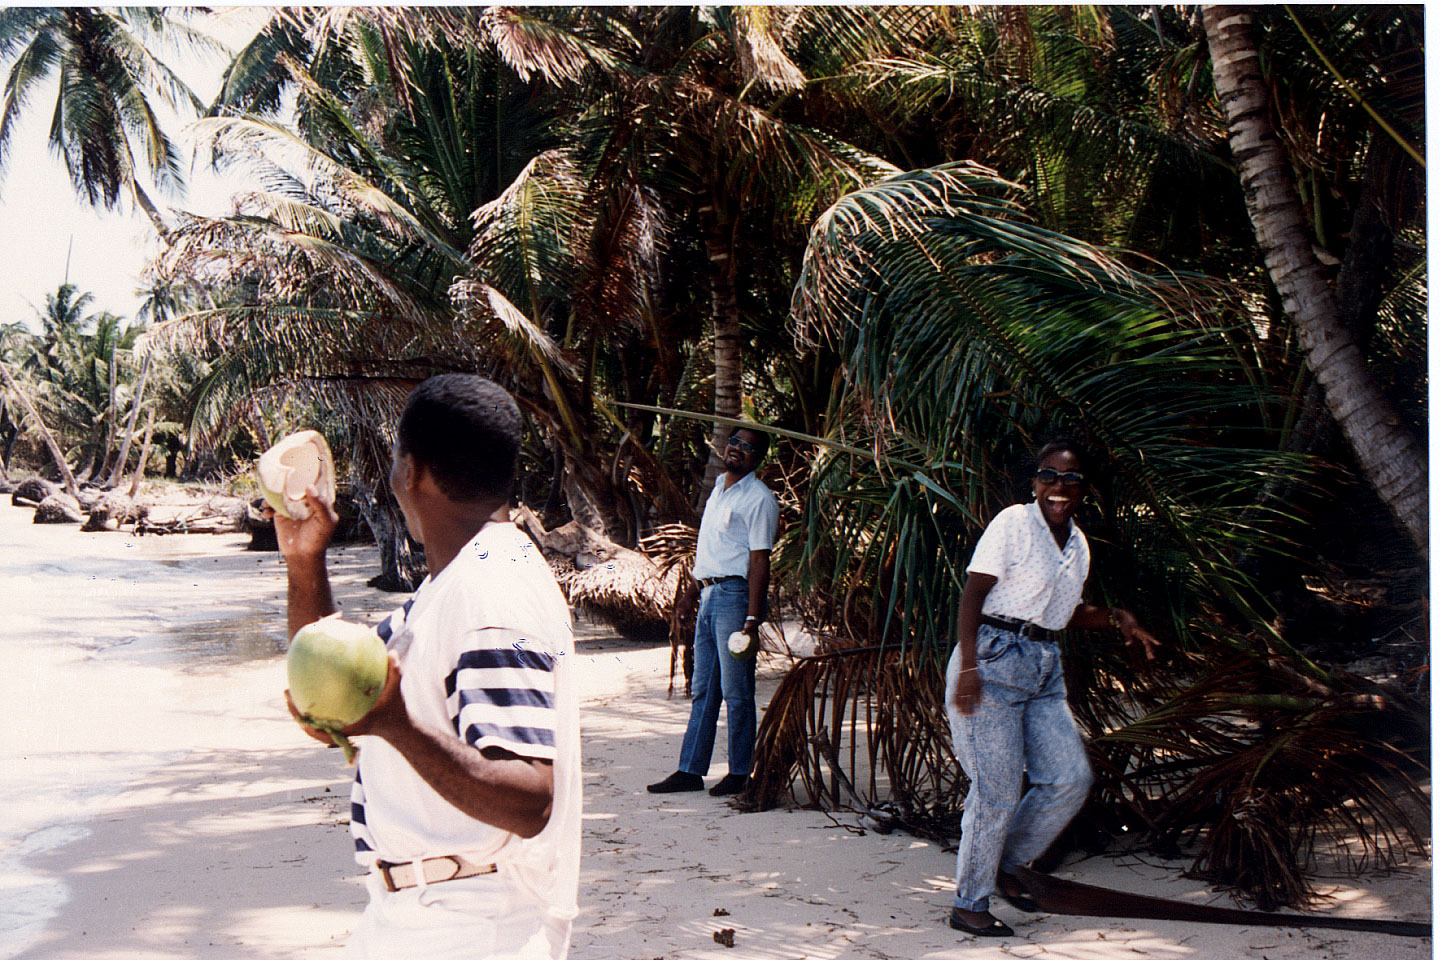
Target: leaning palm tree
{"x":14,"y":339}
{"x":337,"y":274}
{"x":103,"y":114}
{"x":969,"y":334}
{"x":1391,"y":456}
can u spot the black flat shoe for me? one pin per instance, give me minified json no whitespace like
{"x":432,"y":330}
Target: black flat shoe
{"x":1016,"y":894}
{"x":994,"y":928}
{"x":730,"y":784}
{"x":678,"y":782}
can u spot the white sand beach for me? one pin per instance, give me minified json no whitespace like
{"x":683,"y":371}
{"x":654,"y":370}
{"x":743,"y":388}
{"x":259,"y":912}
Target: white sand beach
{"x":158,"y":802}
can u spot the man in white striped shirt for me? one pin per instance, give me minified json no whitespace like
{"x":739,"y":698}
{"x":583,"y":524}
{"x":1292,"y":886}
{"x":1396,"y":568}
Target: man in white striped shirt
{"x":466,"y":804}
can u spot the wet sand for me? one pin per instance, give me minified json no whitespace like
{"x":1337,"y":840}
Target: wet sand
{"x":158,"y":802}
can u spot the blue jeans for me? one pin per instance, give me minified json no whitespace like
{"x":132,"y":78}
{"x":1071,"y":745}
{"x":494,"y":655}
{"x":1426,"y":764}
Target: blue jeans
{"x":719,"y":676}
{"x":1021,"y":725}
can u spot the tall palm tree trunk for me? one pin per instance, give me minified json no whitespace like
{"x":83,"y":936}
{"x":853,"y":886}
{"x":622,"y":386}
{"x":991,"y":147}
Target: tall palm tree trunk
{"x":147,"y":206}
{"x":111,"y":415}
{"x":1390,"y":456}
{"x":144,"y":455}
{"x":118,"y":469}
{"x":23,"y":397}
{"x":725,"y":307}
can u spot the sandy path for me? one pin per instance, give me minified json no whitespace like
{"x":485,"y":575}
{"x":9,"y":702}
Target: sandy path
{"x":231,"y":841}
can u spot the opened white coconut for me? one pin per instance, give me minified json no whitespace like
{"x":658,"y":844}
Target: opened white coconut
{"x":741,"y":646}
{"x":336,"y":670}
{"x":300,"y":460}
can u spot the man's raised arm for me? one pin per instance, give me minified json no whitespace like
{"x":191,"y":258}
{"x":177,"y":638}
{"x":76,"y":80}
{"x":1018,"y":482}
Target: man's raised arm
{"x":302,"y":544}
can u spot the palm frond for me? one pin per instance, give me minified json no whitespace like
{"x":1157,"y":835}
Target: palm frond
{"x":762,"y":59}
{"x":31,"y":67}
{"x":530,"y":45}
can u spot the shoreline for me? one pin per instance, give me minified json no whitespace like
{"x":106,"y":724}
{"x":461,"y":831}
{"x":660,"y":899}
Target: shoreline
{"x":215,"y":828}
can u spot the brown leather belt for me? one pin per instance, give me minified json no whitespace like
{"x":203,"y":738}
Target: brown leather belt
{"x":711,"y":581}
{"x":400,"y":876}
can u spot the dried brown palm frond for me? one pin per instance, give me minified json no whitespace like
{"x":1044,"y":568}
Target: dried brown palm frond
{"x":756,"y":34}
{"x":1248,"y":768}
{"x":1260,"y":764}
{"x":627,"y":591}
{"x":862,"y":729}
{"x":672,"y":547}
{"x":532,"y":45}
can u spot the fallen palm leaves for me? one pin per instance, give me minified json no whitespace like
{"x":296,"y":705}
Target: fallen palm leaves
{"x":1244,"y":769}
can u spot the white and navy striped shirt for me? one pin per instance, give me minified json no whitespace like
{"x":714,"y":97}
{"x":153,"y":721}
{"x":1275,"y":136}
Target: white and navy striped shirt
{"x":485,"y":650}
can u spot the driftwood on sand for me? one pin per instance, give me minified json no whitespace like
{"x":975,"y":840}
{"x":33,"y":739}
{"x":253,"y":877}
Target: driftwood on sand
{"x":114,"y":510}
{"x":59,"y":508}
{"x":32,"y":491}
{"x":218,"y":514}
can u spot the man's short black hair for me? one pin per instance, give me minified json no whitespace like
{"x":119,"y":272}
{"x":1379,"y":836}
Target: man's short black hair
{"x":762,"y":440}
{"x":466,"y":431}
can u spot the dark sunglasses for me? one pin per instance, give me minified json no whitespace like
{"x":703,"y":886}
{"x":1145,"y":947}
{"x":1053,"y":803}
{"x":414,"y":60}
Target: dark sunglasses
{"x":1071,"y":479}
{"x":745,"y":445}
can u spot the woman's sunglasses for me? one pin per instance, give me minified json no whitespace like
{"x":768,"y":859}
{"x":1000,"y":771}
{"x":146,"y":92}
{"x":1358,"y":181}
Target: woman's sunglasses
{"x":745,"y":445}
{"x":1070,"y":479}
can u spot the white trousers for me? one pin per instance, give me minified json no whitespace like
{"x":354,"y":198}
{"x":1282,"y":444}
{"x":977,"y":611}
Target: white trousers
{"x":479,"y":918}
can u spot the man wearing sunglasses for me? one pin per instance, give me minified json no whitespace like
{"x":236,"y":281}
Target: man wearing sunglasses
{"x":731,"y":577}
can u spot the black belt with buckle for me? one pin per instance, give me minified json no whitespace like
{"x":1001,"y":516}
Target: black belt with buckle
{"x":711,"y":581}
{"x":1023,"y":628}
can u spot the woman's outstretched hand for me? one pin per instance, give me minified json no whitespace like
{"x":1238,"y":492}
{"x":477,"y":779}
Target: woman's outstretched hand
{"x":1133,"y":633}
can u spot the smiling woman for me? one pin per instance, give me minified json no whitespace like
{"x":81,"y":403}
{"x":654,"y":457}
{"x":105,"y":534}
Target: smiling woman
{"x":1005,"y":688}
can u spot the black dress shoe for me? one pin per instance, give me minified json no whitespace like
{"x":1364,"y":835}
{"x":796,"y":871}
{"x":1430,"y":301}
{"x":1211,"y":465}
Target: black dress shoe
{"x":678,"y":782}
{"x":994,"y":928}
{"x":731,"y":783}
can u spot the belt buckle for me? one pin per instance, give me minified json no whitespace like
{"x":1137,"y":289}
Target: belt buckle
{"x":458,"y":866}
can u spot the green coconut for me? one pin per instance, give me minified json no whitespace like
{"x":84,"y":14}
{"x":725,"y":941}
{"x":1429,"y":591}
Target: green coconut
{"x":741,"y":645}
{"x":336,"y":671}
{"x":284,"y":471}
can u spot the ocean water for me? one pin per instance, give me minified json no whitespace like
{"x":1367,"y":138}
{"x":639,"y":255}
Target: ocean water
{"x":93,"y":625}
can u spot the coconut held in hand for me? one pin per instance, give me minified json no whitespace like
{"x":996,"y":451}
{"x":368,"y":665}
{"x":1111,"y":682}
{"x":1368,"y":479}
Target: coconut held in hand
{"x":300,"y":460}
{"x":336,"y":671}
{"x":741,"y":646}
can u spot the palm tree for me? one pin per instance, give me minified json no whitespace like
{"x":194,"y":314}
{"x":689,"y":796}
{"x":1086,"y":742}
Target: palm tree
{"x":103,"y":112}
{"x":1391,"y":456}
{"x":8,"y":337}
{"x":78,"y":374}
{"x":970,"y":334}
{"x":336,"y":278}
{"x":695,"y":121}
{"x":161,"y":302}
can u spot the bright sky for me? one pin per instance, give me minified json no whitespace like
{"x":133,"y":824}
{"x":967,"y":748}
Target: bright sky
{"x":42,"y":222}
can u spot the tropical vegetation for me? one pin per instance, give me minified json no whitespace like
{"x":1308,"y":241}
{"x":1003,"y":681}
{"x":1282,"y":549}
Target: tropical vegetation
{"x":912,"y":241}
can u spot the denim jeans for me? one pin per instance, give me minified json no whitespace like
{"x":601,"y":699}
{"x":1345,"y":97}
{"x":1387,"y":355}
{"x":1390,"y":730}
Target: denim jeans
{"x":719,"y":676}
{"x":1021,"y":725}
